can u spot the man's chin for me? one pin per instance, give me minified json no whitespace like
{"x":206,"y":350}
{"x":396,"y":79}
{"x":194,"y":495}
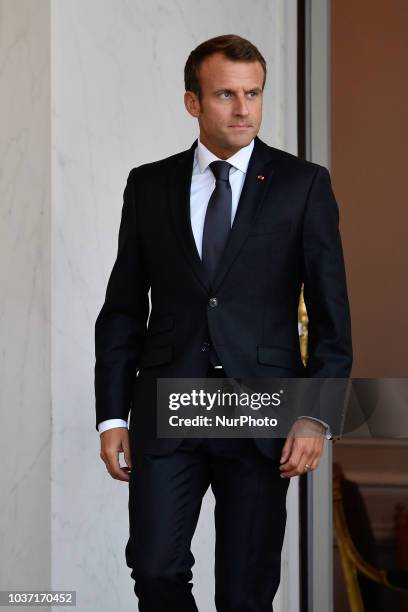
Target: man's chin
{"x":241,"y":138}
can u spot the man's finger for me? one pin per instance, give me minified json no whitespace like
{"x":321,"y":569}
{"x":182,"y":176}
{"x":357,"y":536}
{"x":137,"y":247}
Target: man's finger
{"x":295,"y":468}
{"x":315,"y":464}
{"x":307,"y":459}
{"x":114,"y":468}
{"x":301,"y":454}
{"x":113,"y":442}
{"x":310,"y":455}
{"x":293,"y":459}
{"x":127,"y":455}
{"x":287,"y":448}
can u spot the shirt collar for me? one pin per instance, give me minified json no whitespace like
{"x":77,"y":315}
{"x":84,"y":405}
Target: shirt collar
{"x":239,"y":160}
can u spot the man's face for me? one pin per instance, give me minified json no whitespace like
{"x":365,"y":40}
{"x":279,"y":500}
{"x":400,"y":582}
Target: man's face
{"x":230,"y":111}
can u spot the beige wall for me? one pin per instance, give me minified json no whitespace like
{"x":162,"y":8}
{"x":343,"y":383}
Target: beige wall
{"x":25,"y":263}
{"x":370,"y":171}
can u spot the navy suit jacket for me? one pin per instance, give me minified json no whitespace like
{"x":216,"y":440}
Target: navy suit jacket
{"x":285,"y":232}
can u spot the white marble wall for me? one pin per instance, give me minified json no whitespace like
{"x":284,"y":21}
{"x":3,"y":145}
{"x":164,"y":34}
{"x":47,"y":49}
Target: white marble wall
{"x":25,"y":401}
{"x":116,"y":102}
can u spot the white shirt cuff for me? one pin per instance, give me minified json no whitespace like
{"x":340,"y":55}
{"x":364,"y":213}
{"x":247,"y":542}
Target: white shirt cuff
{"x":110,"y":424}
{"x":328,"y":434}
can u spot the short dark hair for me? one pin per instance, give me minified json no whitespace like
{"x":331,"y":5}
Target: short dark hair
{"x":232,"y":46}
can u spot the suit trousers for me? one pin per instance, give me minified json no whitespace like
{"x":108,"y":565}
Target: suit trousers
{"x":165,"y":496}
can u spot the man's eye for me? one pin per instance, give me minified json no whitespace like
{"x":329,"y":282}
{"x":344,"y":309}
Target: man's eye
{"x":227,"y":94}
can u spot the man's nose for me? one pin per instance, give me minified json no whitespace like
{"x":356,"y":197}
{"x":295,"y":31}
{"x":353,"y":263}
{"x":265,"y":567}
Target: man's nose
{"x":241,"y":107}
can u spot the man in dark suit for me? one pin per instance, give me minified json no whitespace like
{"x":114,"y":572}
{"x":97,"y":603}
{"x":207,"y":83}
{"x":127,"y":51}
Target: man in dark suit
{"x":223,"y":235}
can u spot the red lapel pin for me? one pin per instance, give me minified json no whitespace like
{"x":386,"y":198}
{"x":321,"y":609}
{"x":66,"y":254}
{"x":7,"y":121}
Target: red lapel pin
{"x":260,"y":177}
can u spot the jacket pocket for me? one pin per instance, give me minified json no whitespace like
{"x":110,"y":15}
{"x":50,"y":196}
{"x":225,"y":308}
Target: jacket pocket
{"x":278,"y":356}
{"x":156,"y":356}
{"x":161,"y":324}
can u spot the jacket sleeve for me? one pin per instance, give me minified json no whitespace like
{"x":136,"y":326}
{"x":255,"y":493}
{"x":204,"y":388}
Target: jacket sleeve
{"x":121,"y":323}
{"x":325,"y":290}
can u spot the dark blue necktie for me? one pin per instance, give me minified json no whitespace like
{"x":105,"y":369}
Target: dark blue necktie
{"x":217,"y":226}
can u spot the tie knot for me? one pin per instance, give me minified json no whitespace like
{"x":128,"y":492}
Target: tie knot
{"x":220,"y":170}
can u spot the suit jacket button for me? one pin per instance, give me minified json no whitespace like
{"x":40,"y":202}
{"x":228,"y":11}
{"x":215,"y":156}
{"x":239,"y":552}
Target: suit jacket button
{"x":205,"y":346}
{"x":213,"y":302}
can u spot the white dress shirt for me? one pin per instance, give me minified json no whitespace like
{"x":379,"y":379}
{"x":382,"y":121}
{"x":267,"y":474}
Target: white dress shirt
{"x":202,"y":186}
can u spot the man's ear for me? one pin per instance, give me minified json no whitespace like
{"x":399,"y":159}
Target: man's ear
{"x":192,"y":103}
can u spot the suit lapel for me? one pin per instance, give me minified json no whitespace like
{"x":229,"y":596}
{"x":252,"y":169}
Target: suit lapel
{"x":250,"y":202}
{"x":179,"y":199}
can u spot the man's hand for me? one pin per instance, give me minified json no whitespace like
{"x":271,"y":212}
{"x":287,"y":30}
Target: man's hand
{"x":303,"y":446}
{"x":113,"y":442}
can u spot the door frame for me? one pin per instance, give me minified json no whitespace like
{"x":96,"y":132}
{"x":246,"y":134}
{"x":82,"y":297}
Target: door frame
{"x":314,"y":144}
